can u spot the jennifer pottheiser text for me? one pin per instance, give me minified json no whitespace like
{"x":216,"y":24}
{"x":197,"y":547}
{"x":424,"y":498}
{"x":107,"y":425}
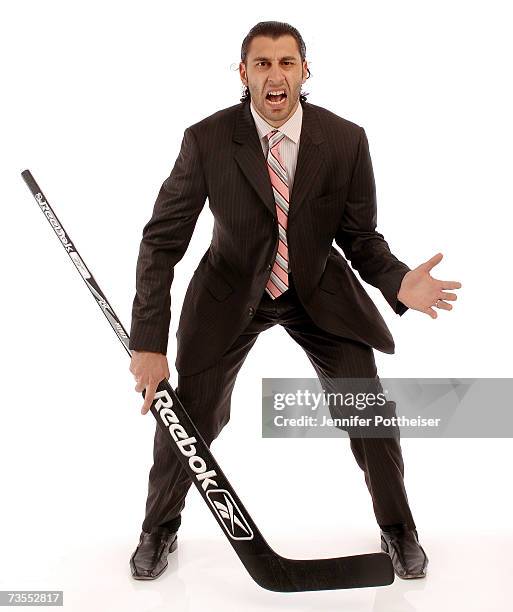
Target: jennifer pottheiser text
{"x":355,"y":421}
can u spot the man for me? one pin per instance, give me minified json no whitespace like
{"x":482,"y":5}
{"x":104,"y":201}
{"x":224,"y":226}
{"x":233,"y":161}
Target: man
{"x":284,"y":179}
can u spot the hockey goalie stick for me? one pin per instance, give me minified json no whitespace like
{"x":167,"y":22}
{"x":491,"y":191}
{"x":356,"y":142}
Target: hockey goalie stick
{"x":266,"y":567}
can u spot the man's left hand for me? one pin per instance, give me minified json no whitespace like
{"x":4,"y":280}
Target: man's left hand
{"x":420,"y":291}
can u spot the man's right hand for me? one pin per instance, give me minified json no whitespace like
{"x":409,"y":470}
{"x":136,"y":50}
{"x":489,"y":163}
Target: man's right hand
{"x":148,"y":370}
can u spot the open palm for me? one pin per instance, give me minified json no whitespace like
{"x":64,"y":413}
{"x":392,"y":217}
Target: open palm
{"x":420,"y":291}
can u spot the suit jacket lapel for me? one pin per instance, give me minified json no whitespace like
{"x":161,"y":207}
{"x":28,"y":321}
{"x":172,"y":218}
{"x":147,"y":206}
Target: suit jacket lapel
{"x":253,"y":164}
{"x":309,"y":159}
{"x":250,"y":157}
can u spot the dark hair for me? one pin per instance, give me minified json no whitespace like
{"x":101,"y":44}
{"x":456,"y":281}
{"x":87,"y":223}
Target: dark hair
{"x":272,"y":29}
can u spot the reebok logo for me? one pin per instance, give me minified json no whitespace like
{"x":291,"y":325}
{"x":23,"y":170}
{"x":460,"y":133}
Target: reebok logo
{"x":183,"y":441}
{"x":221,"y":500}
{"x":231,"y":517}
{"x":53,"y":222}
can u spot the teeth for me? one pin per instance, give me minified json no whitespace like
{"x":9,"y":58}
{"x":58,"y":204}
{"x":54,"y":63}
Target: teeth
{"x":276,"y":93}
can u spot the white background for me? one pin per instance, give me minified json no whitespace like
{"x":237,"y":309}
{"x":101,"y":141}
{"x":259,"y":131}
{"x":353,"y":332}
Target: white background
{"x":95,"y":99}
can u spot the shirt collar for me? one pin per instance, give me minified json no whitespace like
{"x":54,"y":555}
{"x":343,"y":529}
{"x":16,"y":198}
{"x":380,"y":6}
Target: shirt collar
{"x":291,"y":128}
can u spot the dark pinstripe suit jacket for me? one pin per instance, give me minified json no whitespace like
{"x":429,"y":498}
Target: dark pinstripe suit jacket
{"x":333,"y":199}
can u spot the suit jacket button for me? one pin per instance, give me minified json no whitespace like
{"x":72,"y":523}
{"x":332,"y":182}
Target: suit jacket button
{"x":270,"y":267}
{"x":251,"y":311}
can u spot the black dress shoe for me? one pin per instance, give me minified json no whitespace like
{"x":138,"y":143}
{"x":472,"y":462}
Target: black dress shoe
{"x":407,"y":555}
{"x":149,"y":560}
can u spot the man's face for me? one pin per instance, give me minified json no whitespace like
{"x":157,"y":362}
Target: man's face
{"x":274,"y":65}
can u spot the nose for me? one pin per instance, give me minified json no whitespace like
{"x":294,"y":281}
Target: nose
{"x":275,"y":74}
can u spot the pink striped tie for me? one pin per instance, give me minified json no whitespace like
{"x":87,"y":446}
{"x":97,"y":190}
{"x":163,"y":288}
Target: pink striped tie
{"x":279,"y":280}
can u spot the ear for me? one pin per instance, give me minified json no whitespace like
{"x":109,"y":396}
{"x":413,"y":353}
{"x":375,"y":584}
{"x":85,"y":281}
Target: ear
{"x":243,"y":74}
{"x":305,"y":70}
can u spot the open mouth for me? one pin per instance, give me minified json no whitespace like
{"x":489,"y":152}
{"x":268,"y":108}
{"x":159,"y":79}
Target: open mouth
{"x":276,"y":98}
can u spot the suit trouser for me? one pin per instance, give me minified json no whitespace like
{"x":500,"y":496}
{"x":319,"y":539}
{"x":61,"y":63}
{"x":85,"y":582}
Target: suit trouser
{"x":207,"y":398}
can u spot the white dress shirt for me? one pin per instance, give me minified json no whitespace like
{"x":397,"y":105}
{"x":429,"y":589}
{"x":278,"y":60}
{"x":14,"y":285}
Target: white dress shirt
{"x":289,"y":146}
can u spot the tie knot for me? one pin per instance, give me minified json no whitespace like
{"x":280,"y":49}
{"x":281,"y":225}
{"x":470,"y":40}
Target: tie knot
{"x":275,"y":137}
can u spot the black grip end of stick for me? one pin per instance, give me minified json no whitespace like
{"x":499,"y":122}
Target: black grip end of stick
{"x":31,"y":183}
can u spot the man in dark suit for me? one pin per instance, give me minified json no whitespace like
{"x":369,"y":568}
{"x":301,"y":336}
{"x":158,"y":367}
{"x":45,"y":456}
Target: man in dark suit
{"x":284,"y":179}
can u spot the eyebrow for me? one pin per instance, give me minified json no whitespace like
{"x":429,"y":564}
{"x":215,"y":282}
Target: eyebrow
{"x":286,"y":57}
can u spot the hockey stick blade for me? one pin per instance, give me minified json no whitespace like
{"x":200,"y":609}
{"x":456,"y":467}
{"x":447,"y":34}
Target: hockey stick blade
{"x":266,"y":567}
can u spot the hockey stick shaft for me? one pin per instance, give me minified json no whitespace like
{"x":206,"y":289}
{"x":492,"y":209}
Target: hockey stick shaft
{"x":265,"y":566}
{"x":191,"y":449}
